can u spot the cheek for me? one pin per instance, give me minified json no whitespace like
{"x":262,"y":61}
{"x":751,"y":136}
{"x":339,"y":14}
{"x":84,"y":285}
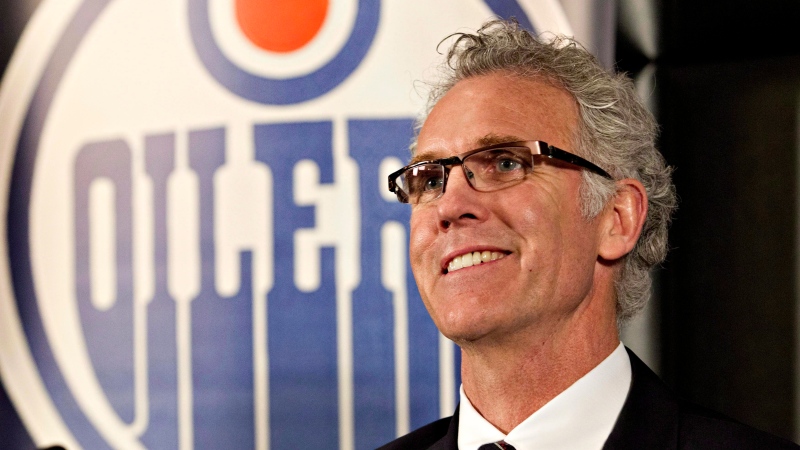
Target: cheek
{"x":422,"y":237}
{"x":535,"y":230}
{"x":544,"y":244}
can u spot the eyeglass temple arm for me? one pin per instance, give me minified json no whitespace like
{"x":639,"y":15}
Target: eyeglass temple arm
{"x":543,"y":148}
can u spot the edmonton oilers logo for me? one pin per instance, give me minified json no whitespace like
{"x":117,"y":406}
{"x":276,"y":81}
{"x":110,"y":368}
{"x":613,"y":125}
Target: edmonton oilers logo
{"x":200,"y":249}
{"x":283,"y":27}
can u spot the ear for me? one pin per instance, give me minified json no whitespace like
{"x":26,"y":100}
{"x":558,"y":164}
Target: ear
{"x":623,"y":219}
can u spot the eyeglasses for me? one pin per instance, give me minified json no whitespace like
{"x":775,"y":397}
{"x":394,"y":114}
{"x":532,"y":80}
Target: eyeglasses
{"x":486,"y":169}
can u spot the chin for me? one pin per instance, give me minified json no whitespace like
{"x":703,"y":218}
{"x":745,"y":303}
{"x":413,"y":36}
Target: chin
{"x":462,"y":330}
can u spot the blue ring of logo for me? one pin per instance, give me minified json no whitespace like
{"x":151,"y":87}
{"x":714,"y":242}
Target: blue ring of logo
{"x":19,"y":251}
{"x":290,"y":90}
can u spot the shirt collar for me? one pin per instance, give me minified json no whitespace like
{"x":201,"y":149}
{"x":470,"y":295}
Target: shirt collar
{"x":582,"y":416}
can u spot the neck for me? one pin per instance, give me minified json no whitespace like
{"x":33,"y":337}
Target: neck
{"x":508,"y":381}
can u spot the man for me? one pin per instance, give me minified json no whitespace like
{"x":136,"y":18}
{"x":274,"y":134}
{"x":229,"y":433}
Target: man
{"x":539,"y":203}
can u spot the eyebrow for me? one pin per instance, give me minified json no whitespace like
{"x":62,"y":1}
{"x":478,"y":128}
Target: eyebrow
{"x":484,"y":141}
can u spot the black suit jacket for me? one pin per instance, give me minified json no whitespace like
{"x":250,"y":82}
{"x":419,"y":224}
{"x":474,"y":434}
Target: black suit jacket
{"x":651,"y":418}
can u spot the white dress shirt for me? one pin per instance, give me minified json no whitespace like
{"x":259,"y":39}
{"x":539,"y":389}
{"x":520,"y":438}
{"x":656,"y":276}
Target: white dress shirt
{"x":581,"y":417}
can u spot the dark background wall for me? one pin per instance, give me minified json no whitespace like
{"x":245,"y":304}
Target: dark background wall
{"x":14,"y":14}
{"x":728,"y":76}
{"x":728,"y":83}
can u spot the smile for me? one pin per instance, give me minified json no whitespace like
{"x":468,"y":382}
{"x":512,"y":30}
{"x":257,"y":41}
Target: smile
{"x":472,"y":259}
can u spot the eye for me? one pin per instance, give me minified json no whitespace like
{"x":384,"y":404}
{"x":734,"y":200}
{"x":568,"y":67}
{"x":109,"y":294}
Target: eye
{"x":432,"y":182}
{"x":507,"y":164}
{"x":504,"y":161}
{"x":424,"y":178}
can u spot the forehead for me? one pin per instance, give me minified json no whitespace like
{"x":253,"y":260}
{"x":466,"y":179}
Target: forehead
{"x":482,"y":109}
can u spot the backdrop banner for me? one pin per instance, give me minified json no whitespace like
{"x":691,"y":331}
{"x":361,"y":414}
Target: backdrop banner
{"x":198,"y":245}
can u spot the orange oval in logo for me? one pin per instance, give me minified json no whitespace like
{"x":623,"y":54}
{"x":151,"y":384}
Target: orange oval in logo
{"x":281,"y":25}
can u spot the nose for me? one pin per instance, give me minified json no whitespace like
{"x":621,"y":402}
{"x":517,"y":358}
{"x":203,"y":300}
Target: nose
{"x":460,"y":204}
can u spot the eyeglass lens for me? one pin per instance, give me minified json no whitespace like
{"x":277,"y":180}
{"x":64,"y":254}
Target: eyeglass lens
{"x":485,"y":170}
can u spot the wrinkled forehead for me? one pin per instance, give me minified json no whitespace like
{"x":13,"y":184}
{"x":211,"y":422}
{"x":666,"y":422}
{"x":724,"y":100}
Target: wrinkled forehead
{"x":483,"y":141}
{"x":494,"y":108}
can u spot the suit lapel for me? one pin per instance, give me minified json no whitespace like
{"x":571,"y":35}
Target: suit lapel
{"x":450,"y":440}
{"x":649,"y":417}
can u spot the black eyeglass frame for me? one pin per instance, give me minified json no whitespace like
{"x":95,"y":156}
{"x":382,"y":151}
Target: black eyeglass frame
{"x":536,"y":148}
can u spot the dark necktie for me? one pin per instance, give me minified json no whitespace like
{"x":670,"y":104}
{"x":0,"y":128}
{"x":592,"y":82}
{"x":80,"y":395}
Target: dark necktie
{"x":497,"y":446}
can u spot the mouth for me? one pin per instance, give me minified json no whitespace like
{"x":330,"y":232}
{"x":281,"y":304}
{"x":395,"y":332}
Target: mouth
{"x":470,"y":259}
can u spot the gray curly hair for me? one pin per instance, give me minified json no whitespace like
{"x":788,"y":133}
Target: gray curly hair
{"x":616,"y":132}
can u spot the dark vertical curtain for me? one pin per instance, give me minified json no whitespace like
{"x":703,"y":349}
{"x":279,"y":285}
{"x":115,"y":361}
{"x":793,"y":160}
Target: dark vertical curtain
{"x":728,"y":84}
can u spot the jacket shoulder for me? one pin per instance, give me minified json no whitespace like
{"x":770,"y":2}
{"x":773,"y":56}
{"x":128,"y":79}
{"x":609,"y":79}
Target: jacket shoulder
{"x":701,"y":428}
{"x":653,"y":417}
{"x":421,"y":438}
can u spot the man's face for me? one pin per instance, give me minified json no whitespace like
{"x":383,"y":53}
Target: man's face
{"x":550,"y":249}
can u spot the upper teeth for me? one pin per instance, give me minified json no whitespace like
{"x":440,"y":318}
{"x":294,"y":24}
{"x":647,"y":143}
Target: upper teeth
{"x":472,"y":259}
